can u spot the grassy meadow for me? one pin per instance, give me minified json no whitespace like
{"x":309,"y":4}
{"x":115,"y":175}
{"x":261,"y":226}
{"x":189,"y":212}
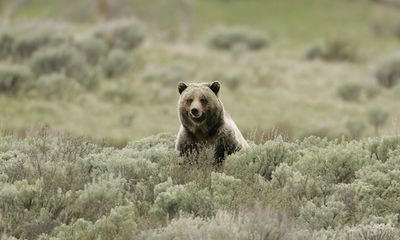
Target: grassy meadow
{"x":88,"y":117}
{"x":287,"y":91}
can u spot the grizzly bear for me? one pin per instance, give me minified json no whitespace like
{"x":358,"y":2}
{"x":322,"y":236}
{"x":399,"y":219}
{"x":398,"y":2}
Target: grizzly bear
{"x":205,"y":123}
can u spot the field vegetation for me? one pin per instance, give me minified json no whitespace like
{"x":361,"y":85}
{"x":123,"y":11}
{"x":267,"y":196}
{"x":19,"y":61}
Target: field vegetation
{"x":107,"y":80}
{"x":314,"y":85}
{"x":54,"y":186}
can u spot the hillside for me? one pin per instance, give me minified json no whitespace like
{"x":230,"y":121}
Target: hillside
{"x":53,"y":186}
{"x":325,"y":68}
{"x":313,"y":85}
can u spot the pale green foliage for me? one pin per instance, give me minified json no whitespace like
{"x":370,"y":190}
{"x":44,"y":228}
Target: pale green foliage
{"x":154,"y":148}
{"x":53,"y":85}
{"x":355,"y":128}
{"x":372,"y":90}
{"x":361,"y":232}
{"x":63,"y":59}
{"x":349,"y":91}
{"x":50,"y":49}
{"x":162,"y":187}
{"x":119,"y":224}
{"x":94,"y":49}
{"x":381,"y":147}
{"x":6,"y":43}
{"x":225,"y":38}
{"x":377,"y":117}
{"x":45,"y":35}
{"x":187,"y":198}
{"x":13,"y":78}
{"x":333,"y":164}
{"x":97,"y":198}
{"x":22,"y":40}
{"x":261,"y":159}
{"x":327,"y":216}
{"x":294,"y":184}
{"x":380,"y":183}
{"x":164,"y":140}
{"x":387,"y":71}
{"x":333,"y":49}
{"x":248,"y":224}
{"x":123,"y":33}
{"x":58,"y":187}
{"x":116,"y":64}
{"x":225,"y":189}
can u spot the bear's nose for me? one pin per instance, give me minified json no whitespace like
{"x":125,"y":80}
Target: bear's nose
{"x":194,"y":111}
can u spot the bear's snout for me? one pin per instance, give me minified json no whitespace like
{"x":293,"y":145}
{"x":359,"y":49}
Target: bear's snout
{"x":195,"y":112}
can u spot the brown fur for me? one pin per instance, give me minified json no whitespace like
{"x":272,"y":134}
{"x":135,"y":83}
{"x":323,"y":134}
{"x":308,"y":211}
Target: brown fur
{"x":212,"y":128}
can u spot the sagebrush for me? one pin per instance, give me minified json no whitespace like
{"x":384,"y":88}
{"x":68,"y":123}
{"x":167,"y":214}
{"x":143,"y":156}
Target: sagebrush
{"x":54,"y":186}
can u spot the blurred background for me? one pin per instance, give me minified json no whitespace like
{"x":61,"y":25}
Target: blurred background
{"x":108,"y":69}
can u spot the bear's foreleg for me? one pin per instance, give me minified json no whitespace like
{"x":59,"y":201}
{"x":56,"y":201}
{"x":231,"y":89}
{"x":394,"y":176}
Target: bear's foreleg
{"x":223,"y":147}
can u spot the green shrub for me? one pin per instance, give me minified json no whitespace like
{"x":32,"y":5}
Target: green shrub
{"x":246,"y":224}
{"x":283,"y":175}
{"x":372,"y":90}
{"x":349,"y":91}
{"x":377,"y":118}
{"x":116,"y":64}
{"x":133,"y":168}
{"x":387,"y":71}
{"x":66,"y":60}
{"x":225,"y":38}
{"x":98,"y":198}
{"x":335,"y":164}
{"x":349,"y":195}
{"x":27,"y":44}
{"x":6,"y":44}
{"x":328,"y":216}
{"x":381,"y":147}
{"x":94,"y":49}
{"x":13,"y":78}
{"x":355,"y":128}
{"x":378,"y":184}
{"x":261,"y":159}
{"x":360,"y":232}
{"x":320,"y":132}
{"x":225,"y":191}
{"x":334,"y":49}
{"x":124,"y":33}
{"x":316,"y":51}
{"x":20,"y":41}
{"x":188,"y":198}
{"x":119,"y":224}
{"x":56,"y":187}
{"x":26,"y":209}
{"x":79,"y":229}
{"x":126,"y":118}
{"x":164,"y":140}
{"x":374,"y":232}
{"x":53,"y":85}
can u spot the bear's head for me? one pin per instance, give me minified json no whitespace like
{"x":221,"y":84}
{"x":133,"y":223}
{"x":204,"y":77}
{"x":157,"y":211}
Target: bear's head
{"x":199,"y":105}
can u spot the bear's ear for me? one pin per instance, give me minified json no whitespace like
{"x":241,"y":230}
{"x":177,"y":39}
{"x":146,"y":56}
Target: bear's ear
{"x":214,"y":86}
{"x":181,"y":86}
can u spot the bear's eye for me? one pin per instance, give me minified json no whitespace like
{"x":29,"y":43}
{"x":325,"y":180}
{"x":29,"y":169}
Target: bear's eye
{"x":189,"y":101}
{"x":203,"y":101}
